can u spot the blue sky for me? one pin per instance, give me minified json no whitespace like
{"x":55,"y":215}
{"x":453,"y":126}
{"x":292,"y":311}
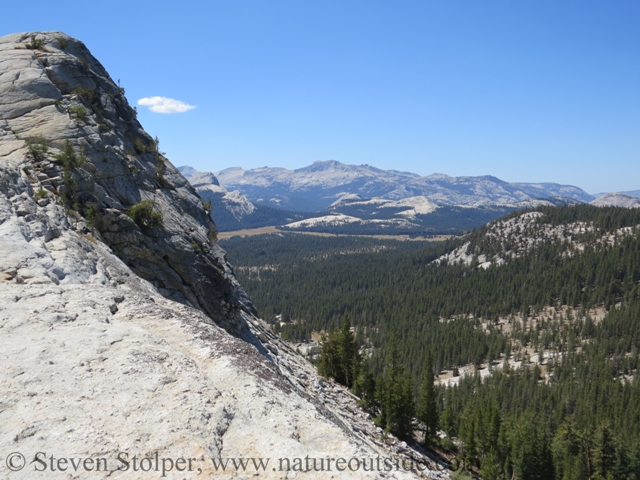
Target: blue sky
{"x":523,"y":90}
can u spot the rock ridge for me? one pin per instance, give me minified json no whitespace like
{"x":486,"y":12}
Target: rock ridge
{"x":58,"y":93}
{"x":123,"y":331}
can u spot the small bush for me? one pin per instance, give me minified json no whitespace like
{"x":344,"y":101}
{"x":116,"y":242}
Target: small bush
{"x":69,"y":157}
{"x":207,"y":205}
{"x":160,"y":170}
{"x":447,"y":445}
{"x":85,"y":93}
{"x":70,"y":160}
{"x":62,"y":42}
{"x":89,"y":237}
{"x":94,"y":217}
{"x":41,"y":193}
{"x":79,"y":112}
{"x":37,"y":147}
{"x":155,"y":148}
{"x":89,"y":96}
{"x":140,"y":147}
{"x":143,"y":214}
{"x":26,"y":171}
{"x":197,"y":247}
{"x":36,"y":43}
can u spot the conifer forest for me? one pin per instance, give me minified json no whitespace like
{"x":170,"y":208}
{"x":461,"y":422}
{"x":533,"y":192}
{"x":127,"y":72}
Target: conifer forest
{"x":512,"y":350}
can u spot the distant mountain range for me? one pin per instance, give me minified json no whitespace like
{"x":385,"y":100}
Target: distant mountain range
{"x":317,"y":186}
{"x":232,"y":210}
{"x":332,"y":196}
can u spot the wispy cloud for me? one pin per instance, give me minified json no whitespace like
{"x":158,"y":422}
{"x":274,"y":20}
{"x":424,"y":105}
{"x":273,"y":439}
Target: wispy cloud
{"x":165,"y":105}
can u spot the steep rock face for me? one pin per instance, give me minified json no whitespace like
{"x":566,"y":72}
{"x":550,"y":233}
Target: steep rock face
{"x":96,"y":361}
{"x":53,"y":90}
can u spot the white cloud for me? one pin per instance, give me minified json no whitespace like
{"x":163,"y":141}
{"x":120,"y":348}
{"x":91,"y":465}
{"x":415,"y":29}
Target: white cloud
{"x":165,"y":105}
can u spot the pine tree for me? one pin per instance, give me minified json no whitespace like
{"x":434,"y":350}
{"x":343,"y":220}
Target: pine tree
{"x":400,"y":407}
{"x":622,"y":467}
{"x":330,"y":364}
{"x":470,"y":448}
{"x":395,"y":393}
{"x":428,"y":412}
{"x":339,"y":357}
{"x":348,"y":353}
{"x":365,"y":387}
{"x":535,"y":462}
{"x":605,"y":454}
{"x":448,"y":415}
{"x":491,"y":468}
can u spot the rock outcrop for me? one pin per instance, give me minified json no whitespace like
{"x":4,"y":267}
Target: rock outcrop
{"x":123,"y":331}
{"x":617,"y":200}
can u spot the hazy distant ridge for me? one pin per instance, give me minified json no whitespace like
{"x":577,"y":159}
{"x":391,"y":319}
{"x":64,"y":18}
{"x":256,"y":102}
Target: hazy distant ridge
{"x":317,"y":186}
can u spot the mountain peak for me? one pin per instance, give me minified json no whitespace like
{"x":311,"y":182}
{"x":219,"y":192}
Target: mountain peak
{"x":197,"y":178}
{"x":326,"y":162}
{"x":322,"y":165}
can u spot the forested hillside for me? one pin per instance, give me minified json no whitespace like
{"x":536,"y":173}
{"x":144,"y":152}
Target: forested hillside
{"x":528,"y":286}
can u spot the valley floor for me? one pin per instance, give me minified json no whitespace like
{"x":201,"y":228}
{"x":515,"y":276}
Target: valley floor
{"x":250,"y":232}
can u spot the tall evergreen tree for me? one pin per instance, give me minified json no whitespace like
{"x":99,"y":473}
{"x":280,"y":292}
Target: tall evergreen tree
{"x":604,"y":454}
{"x":365,"y":387}
{"x":470,"y":446}
{"x":330,"y":364}
{"x":400,"y":406}
{"x":428,"y":412}
{"x":348,"y":353}
{"x":534,"y":461}
{"x":395,"y":394}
